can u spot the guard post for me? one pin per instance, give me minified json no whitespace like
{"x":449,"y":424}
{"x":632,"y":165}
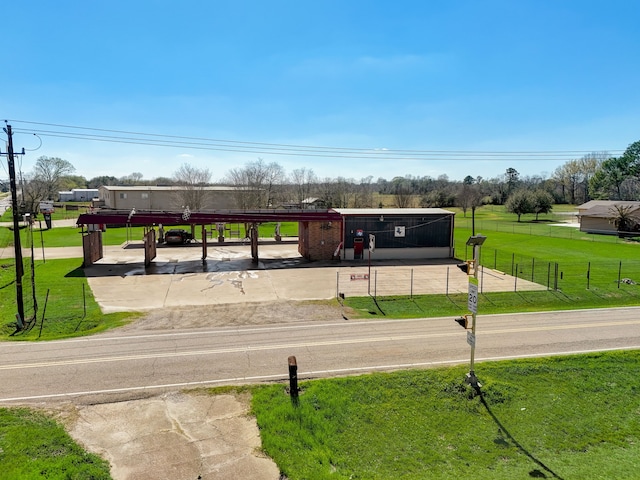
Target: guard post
{"x":293,"y":378}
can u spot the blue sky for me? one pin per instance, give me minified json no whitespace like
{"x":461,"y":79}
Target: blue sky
{"x":454,"y":77}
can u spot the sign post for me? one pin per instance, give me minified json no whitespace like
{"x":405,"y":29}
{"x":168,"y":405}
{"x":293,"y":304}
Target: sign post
{"x":472,"y":303}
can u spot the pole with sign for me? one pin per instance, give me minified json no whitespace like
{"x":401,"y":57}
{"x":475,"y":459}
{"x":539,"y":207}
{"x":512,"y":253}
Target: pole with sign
{"x":472,"y":303}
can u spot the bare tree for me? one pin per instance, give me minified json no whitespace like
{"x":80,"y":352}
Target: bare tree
{"x":49,"y":172}
{"x":193,"y":181}
{"x":302,"y":181}
{"x":364,"y":193}
{"x":466,"y":194}
{"x":256,"y":184}
{"x":575,"y":176}
{"x":134,"y":178}
{"x":33,"y":191}
{"x":402,"y":192}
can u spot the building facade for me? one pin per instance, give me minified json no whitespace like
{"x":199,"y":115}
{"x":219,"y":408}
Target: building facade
{"x":161,"y":198}
{"x":597,"y":216}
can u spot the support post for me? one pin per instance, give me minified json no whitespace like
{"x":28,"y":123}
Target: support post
{"x":293,"y":377}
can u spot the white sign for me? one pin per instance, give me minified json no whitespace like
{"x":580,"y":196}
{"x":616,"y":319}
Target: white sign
{"x":372,"y":242}
{"x":46,"y":206}
{"x":472,"y":302}
{"x":471,"y":339}
{"x":399,"y":231}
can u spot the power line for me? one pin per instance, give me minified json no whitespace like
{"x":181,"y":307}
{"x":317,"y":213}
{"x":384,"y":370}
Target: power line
{"x":200,"y":143}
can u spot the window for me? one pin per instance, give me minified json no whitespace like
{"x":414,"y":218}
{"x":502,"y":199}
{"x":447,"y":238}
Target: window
{"x":123,"y":195}
{"x":144,"y":195}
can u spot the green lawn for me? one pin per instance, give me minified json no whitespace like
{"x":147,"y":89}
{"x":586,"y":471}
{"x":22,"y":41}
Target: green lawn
{"x":33,"y":446}
{"x":69,"y":309}
{"x":560,"y":417}
{"x":70,"y":210}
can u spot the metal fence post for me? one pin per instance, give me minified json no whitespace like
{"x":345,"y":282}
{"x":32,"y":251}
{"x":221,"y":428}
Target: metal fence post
{"x":447,"y":283}
{"x":619,"y":273}
{"x":533,"y":267}
{"x":411,"y":291}
{"x":375,"y":285}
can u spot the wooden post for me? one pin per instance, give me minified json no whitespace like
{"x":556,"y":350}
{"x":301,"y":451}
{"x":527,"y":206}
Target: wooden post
{"x":293,"y":377}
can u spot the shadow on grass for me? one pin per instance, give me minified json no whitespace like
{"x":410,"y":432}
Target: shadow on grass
{"x":524,"y":298}
{"x":486,"y":297}
{"x":76,"y":273}
{"x":560,"y":295}
{"x":535,"y":473}
{"x":375,"y":300}
{"x":453,"y":301}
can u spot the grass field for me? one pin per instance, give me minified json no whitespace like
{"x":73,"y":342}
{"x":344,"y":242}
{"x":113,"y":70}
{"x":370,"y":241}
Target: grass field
{"x":561,"y":417}
{"x":34,"y":446}
{"x":62,"y":293}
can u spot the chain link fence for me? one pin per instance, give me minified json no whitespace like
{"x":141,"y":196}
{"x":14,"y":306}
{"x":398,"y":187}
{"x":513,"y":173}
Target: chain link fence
{"x":499,"y":272}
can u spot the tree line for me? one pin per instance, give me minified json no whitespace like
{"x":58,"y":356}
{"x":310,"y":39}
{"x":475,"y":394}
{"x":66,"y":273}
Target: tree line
{"x":259,"y":184}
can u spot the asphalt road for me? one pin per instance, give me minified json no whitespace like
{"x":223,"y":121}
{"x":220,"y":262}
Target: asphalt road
{"x":119,"y":366}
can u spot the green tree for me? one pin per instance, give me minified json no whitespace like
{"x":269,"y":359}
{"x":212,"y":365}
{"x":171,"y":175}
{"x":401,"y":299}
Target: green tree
{"x":542,"y":202}
{"x":105,"y":180}
{"x":623,"y":219}
{"x":512,"y":178}
{"x":632,"y":155}
{"x":69,"y":182}
{"x":608,"y":180}
{"x":520,"y":202}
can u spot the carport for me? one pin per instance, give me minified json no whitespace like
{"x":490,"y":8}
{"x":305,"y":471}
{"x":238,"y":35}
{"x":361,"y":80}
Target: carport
{"x":95,"y":222}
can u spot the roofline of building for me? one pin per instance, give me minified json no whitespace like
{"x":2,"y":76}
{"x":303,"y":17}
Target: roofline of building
{"x":148,"y":218}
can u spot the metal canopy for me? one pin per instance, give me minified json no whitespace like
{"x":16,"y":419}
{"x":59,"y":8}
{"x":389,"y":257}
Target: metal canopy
{"x":147,"y":218}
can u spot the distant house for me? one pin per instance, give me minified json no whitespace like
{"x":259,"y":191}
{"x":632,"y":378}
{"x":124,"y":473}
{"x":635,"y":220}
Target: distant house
{"x":119,"y":197}
{"x":313,"y":203}
{"x":78,"y":195}
{"x":596,"y":216}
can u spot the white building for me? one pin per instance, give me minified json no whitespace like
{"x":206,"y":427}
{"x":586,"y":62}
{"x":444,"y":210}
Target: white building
{"x":78,"y":195}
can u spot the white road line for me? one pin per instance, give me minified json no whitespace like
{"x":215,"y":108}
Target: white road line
{"x":326,"y":343}
{"x":302,"y":375}
{"x":353,"y":323}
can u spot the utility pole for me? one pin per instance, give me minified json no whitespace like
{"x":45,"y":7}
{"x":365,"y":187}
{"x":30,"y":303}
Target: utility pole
{"x":16,"y":227}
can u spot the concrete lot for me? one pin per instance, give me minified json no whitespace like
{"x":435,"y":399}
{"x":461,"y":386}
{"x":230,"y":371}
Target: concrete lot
{"x":179,"y":277}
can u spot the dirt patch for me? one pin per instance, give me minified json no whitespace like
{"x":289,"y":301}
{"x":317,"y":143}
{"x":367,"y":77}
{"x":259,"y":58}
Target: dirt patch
{"x":237,"y":314}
